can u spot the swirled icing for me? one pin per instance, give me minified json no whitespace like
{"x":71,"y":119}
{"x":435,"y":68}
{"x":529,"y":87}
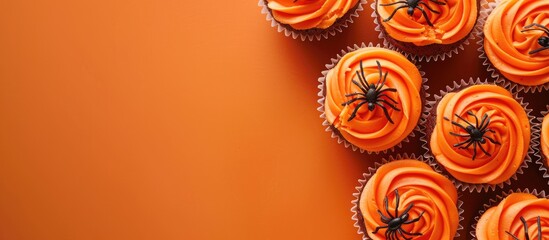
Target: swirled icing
{"x":494,"y":223}
{"x":508,"y":120}
{"x":308,"y":14}
{"x":371,"y":130}
{"x":544,"y":138}
{"x":455,"y":21}
{"x":416,"y":183}
{"x":507,"y":47}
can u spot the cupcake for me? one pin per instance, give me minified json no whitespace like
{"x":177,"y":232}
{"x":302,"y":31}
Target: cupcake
{"x":406,"y":199}
{"x":429,"y":29}
{"x":516,"y":43}
{"x":310,"y":19}
{"x":480,"y":133}
{"x":543,"y":148}
{"x":519,"y":215}
{"x":371,"y":98}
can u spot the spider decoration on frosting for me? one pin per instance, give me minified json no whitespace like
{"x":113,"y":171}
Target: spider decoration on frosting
{"x":372,"y":94}
{"x":526,"y":230}
{"x":543,"y":41}
{"x":412,"y":5}
{"x":394,"y":223}
{"x":476,"y":133}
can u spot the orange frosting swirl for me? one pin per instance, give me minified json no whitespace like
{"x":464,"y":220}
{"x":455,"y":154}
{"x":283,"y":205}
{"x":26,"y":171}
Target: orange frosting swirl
{"x":455,"y":21}
{"x":508,"y":48}
{"x":417,"y":184}
{"x":371,"y":130}
{"x":308,"y":14}
{"x":494,"y":223}
{"x":544,"y":138}
{"x":509,"y":124}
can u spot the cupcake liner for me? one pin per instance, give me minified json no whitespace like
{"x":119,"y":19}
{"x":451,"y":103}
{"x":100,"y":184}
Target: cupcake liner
{"x":429,"y":124}
{"x":540,"y":158}
{"x":334,"y":133}
{"x":442,"y":56}
{"x":312,"y":34}
{"x":357,"y":216}
{"x":494,"y":73}
{"x":495,"y":201}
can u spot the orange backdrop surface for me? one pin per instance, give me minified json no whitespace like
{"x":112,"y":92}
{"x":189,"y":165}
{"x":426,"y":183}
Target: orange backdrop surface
{"x":172,"y":119}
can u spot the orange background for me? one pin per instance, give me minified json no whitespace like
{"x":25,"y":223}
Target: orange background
{"x":149,"y":119}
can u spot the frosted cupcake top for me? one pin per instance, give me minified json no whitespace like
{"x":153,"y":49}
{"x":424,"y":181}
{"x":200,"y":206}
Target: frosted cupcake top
{"x":309,"y":14}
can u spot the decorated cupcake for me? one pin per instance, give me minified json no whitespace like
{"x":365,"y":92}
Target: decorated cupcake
{"x":520,"y":215}
{"x":406,"y":199}
{"x":310,"y":19}
{"x":372,"y":98}
{"x":480,"y":134}
{"x":516,"y":43}
{"x":426,"y":28}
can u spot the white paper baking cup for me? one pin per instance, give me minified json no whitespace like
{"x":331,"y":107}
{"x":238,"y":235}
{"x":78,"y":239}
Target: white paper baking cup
{"x":321,"y":94}
{"x":313,"y":34}
{"x":494,"y":73}
{"x":441,"y":56}
{"x":429,"y":124}
{"x":495,"y":201}
{"x":357,"y":216}
{"x":540,"y":158}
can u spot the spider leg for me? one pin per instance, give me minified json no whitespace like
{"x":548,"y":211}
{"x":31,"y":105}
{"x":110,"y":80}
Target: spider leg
{"x":470,"y":140}
{"x":459,"y":135}
{"x":438,"y":2}
{"x":484,"y":123}
{"x":413,"y":221}
{"x":353,"y":100}
{"x":354,"y":94}
{"x":394,"y":12}
{"x":386,"y":113}
{"x":364,"y":84}
{"x":359,"y":86}
{"x":525,"y":228}
{"x":539,"y":228}
{"x":407,"y":209}
{"x":389,"y":4}
{"x":353,"y":115}
{"x":463,"y":119}
{"x":380,"y":227}
{"x":402,"y":234}
{"x":389,"y":98}
{"x":543,"y":28}
{"x":470,"y":113}
{"x":425,"y":15}
{"x":389,"y":104}
{"x":492,"y":140}
{"x":363,"y":76}
{"x":387,"y":90}
{"x":382,"y":82}
{"x":379,"y":70}
{"x":386,"y":202}
{"x":397,"y":202}
{"x":538,"y":50}
{"x":474,"y":150}
{"x":411,"y":234}
{"x":489,"y":130}
{"x":483,"y":150}
{"x":384,"y":219}
{"x":430,"y":9}
{"x":513,"y":236}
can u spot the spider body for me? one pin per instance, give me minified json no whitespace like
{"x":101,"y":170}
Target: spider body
{"x":394,"y":223}
{"x":411,"y":6}
{"x":476,"y":134}
{"x":372,"y":94}
{"x":526,"y":230}
{"x":543,"y":41}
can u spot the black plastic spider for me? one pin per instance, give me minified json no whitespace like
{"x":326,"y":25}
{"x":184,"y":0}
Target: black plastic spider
{"x":543,"y":41}
{"x":476,"y":133}
{"x":412,"y":5}
{"x":526,"y":230}
{"x":372,"y":93}
{"x":394,"y":223}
